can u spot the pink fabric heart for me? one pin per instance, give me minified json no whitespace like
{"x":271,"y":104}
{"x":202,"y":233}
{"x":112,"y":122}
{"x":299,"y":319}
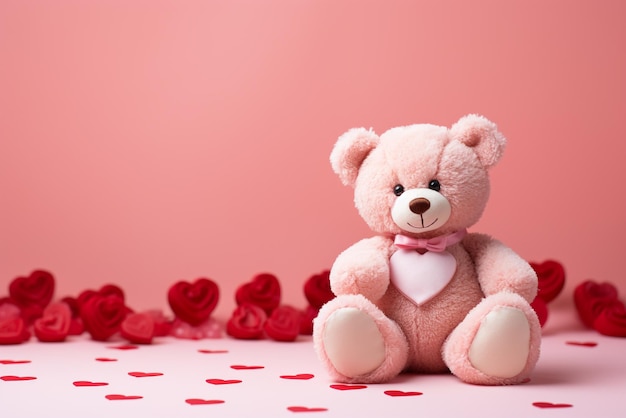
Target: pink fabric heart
{"x":420,"y":277}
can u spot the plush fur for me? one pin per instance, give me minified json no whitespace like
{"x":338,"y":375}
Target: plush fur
{"x":488,"y":295}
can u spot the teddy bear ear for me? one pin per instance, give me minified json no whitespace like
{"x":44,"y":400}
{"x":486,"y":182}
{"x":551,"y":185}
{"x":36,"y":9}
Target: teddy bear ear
{"x":480,"y":134}
{"x":350,"y":151}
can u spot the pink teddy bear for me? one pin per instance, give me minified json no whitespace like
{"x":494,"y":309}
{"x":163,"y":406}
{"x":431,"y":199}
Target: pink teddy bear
{"x":423,"y":295}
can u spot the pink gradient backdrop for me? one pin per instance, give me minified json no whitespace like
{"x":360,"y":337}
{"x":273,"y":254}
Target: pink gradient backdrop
{"x":145,"y":142}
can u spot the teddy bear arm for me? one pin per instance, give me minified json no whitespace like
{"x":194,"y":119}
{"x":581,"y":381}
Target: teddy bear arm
{"x":362,"y":268}
{"x":499,"y":268}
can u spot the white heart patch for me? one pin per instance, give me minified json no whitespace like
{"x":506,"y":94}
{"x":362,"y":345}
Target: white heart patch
{"x":421,"y":276}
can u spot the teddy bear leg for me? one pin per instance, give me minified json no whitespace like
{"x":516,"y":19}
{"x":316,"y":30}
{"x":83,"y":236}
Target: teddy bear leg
{"x":357,"y":342}
{"x":497,"y":343}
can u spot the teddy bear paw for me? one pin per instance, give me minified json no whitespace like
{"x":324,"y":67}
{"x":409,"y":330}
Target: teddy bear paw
{"x":502,"y":343}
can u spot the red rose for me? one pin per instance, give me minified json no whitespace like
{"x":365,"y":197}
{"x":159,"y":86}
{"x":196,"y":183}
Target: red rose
{"x":193,"y":302}
{"x":551,"y":279}
{"x":54,"y":324}
{"x":263,"y":291}
{"x":283,"y":324}
{"x":246,"y":322}
{"x":103,"y":315}
{"x":591,"y":298}
{"x":317,"y":289}
{"x":612,"y":320}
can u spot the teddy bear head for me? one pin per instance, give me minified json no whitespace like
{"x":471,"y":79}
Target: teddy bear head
{"x":420,"y":180}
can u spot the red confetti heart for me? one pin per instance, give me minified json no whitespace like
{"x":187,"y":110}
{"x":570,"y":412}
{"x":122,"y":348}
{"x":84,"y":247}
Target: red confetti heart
{"x":582,"y":343}
{"x":591,"y":298}
{"x":37,"y":289}
{"x":54,"y":325}
{"x":195,"y":401}
{"x":87,"y":383}
{"x":138,"y":328}
{"x":242,"y":367}
{"x":401,"y":393}
{"x":105,"y":359}
{"x":193,"y":302}
{"x":305,"y":409}
{"x":263,"y":291}
{"x":14,"y":361}
{"x":283,"y":324}
{"x":116,"y":397}
{"x":612,"y":320}
{"x":348,"y":387}
{"x":13,"y":331}
{"x":103,"y":315}
{"x":144,"y":374}
{"x":301,"y":376}
{"x":551,"y":279}
{"x":222,"y":381}
{"x":16,"y":378}
{"x":124,"y":347}
{"x":317,"y":289}
{"x":204,"y":351}
{"x":246,"y":322}
{"x":551,"y":405}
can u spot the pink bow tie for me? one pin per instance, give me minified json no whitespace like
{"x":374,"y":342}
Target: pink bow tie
{"x":437,"y":244}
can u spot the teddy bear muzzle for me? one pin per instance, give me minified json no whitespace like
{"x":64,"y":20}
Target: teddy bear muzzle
{"x":420,"y":210}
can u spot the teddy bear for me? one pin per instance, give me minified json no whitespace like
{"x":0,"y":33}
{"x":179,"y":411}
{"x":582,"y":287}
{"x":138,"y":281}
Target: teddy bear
{"x":424,"y":295}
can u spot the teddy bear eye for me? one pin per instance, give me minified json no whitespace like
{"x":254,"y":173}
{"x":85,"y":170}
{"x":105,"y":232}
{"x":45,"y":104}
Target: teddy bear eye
{"x":434,"y":185}
{"x":398,"y":189}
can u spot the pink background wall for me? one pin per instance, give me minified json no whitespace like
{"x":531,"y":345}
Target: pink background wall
{"x":145,"y":142}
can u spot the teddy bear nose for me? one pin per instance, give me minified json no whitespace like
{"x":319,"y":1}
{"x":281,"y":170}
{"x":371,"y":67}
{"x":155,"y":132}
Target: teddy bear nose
{"x":419,"y":205}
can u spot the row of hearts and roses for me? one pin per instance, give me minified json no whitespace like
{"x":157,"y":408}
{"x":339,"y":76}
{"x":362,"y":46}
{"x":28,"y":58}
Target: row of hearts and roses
{"x":259,"y":313}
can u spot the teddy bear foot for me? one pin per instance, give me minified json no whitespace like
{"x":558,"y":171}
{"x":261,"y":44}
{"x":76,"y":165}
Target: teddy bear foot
{"x":357,"y":342}
{"x":498,"y":342}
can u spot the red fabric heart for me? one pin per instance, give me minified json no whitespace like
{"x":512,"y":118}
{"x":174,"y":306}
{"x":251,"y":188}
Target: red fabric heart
{"x":317,"y":289}
{"x":541,"y":309}
{"x":263,"y":291}
{"x":54,"y":325}
{"x":301,"y":376}
{"x":612,"y":320}
{"x":145,"y":374}
{"x":348,"y":387}
{"x":283,"y":324}
{"x":86,"y":383}
{"x":551,"y":405}
{"x":36,"y":289}
{"x":401,"y":393}
{"x":305,"y":409}
{"x":103,"y":315}
{"x":246,"y":322}
{"x":551,"y":279}
{"x":138,"y":328}
{"x":590,"y":298}
{"x":117,"y":397}
{"x":105,"y":290}
{"x":222,"y":381}
{"x":196,"y":401}
{"x":193,"y":302}
{"x":13,"y":331}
